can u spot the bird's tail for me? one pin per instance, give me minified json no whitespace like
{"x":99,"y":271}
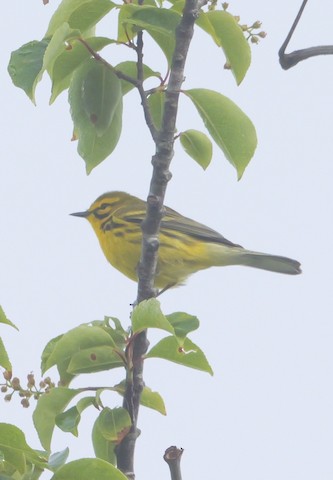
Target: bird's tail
{"x":273,"y":263}
{"x":239,"y":256}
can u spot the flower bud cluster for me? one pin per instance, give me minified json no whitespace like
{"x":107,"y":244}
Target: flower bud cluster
{"x":13,"y":384}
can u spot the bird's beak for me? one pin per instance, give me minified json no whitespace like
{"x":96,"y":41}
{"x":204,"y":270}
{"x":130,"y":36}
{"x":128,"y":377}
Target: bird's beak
{"x":81,"y":214}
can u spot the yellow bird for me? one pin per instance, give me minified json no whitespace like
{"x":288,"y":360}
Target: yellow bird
{"x":186,"y":246}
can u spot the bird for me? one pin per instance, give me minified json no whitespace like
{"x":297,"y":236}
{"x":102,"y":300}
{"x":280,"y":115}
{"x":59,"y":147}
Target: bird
{"x":185,"y":247}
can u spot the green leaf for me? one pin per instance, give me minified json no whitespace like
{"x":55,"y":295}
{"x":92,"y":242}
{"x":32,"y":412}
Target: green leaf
{"x":231,"y":129}
{"x":4,"y":359}
{"x":126,"y":31}
{"x":25,"y":66}
{"x":64,"y":348}
{"x":80,"y":14}
{"x":148,"y":314}
{"x":156,"y":107}
{"x":110,"y":428}
{"x":28,"y":64}
{"x":47,"y":352}
{"x":155,"y":19}
{"x":57,"y":45}
{"x":198,"y":146}
{"x":103,"y":448}
{"x":160,"y":23}
{"x":118,"y":334}
{"x":5,"y":320}
{"x":88,"y":469}
{"x":15,"y":450}
{"x":94,"y":149}
{"x":228,"y":34}
{"x":94,"y":359}
{"x":100,"y":94}
{"x":68,"y":421}
{"x":148,"y":398}
{"x":58,"y":459}
{"x":183,"y":323}
{"x":130,"y":69}
{"x":70,"y":59}
{"x":114,"y":424}
{"x":98,"y":130}
{"x":48,"y":407}
{"x":188,"y":354}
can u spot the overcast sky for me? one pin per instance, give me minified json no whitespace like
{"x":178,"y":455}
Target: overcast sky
{"x":267,"y":412}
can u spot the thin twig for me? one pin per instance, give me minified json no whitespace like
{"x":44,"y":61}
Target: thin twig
{"x":288,"y":60}
{"x":142,"y":93}
{"x":98,"y":57}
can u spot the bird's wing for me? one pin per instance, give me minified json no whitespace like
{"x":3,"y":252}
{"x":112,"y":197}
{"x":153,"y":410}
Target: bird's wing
{"x":178,"y":223}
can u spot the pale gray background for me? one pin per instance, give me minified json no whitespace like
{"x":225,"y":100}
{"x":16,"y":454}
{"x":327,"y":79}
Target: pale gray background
{"x":267,"y":412}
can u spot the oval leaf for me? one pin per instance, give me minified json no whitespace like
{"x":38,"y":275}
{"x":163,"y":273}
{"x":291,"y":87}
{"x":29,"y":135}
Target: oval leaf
{"x":92,"y":147}
{"x":148,"y":314}
{"x":58,"y":459}
{"x":94,"y":359}
{"x":103,"y":448}
{"x":25,"y":66}
{"x":70,"y":59}
{"x":198,"y":146}
{"x":227,"y":33}
{"x":188,"y":354}
{"x":114,"y":424}
{"x":183,"y":323}
{"x":231,"y":129}
{"x":101,"y":94}
{"x":5,"y":320}
{"x":48,"y":407}
{"x":80,"y":14}
{"x":68,"y":421}
{"x":15,"y":450}
{"x":160,"y":23}
{"x":88,"y":469}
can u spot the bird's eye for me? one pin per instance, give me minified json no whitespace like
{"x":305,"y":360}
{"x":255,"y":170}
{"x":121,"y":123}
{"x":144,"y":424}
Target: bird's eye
{"x":104,"y":206}
{"x":102,"y":211}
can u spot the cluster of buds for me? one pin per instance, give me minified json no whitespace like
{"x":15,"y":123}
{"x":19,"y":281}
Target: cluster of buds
{"x":13,"y":384}
{"x":253,"y":35}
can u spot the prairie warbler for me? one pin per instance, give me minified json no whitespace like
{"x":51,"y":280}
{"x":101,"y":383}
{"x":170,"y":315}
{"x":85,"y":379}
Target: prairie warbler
{"x":186,"y":246}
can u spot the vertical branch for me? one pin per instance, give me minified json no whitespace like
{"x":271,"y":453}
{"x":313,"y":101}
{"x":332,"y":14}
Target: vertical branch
{"x":164,"y":153}
{"x":164,"y":142}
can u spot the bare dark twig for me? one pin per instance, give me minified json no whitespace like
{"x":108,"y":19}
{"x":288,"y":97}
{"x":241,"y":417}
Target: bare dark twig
{"x":288,"y":60}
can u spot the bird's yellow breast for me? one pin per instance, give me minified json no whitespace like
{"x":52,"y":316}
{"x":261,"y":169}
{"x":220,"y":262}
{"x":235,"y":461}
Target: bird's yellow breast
{"x":177,"y":257}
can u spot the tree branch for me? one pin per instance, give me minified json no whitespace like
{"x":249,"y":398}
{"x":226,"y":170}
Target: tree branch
{"x":164,"y":153}
{"x":173,"y":456}
{"x":142,"y":93}
{"x":288,"y":60}
{"x":164,"y":142}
